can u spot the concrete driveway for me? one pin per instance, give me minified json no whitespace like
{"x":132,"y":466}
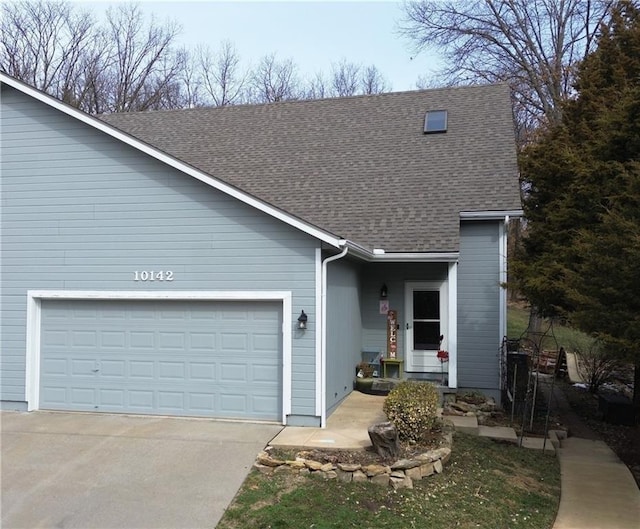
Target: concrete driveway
{"x":98,"y":470}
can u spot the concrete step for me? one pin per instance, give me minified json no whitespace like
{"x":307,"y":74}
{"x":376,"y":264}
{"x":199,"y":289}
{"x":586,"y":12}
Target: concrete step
{"x":469,"y":424}
{"x":502,"y":433}
{"x":465,"y":423}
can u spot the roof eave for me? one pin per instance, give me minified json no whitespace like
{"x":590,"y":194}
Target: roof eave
{"x":378,"y":255}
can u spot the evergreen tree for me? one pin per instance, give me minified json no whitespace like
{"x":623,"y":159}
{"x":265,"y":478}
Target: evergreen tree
{"x":582,"y":183}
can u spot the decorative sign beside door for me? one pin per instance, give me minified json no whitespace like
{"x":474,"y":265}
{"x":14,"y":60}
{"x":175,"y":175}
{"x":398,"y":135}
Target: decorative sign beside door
{"x":392,"y":334}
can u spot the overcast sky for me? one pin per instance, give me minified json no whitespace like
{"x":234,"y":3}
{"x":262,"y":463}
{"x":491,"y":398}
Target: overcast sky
{"x":313,"y":34}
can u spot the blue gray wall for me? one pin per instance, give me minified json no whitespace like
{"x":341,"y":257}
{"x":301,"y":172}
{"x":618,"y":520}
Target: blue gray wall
{"x":344,"y":336}
{"x":82,"y":211}
{"x":479,"y":294}
{"x":394,"y":275}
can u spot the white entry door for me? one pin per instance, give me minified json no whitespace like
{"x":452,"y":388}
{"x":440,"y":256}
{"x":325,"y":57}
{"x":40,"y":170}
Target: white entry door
{"x":426,"y":320}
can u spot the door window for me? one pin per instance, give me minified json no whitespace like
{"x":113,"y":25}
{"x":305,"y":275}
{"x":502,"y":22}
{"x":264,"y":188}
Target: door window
{"x":426,"y":320}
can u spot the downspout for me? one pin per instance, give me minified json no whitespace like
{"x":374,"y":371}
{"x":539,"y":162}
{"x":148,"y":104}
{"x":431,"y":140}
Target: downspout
{"x":504,"y":245}
{"x":323,"y":334}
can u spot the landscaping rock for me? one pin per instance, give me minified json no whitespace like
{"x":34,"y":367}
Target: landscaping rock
{"x":359,"y":476}
{"x":380,"y":479}
{"x":263,"y":469}
{"x":401,"y":483}
{"x":265,"y":459}
{"x":349,"y":467}
{"x":312,"y":465}
{"x":327,"y":465}
{"x":427,"y":470}
{"x":414,"y":473}
{"x":403,"y":464}
{"x":374,"y":470}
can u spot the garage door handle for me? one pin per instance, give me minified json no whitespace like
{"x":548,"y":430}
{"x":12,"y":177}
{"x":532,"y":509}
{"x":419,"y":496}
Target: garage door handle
{"x":95,"y":370}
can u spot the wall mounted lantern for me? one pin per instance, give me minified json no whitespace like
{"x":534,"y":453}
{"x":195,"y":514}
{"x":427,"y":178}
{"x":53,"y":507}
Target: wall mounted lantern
{"x":383,"y":292}
{"x":302,"y":321}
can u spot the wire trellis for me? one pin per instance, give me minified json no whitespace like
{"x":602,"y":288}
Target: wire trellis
{"x":523,"y":360}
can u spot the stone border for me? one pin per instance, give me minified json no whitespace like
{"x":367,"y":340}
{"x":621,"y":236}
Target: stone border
{"x":400,"y":474}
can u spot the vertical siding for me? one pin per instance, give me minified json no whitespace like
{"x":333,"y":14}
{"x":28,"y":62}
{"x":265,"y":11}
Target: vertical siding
{"x":81,"y":211}
{"x":344,"y":329}
{"x":479,"y":305}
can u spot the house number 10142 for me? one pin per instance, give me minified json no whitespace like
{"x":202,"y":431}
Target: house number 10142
{"x":150,"y":275}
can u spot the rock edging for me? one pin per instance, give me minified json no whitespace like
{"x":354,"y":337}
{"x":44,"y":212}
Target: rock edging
{"x":400,"y":474}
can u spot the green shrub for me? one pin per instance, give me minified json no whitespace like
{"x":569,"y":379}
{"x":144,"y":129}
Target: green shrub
{"x":412,"y":408}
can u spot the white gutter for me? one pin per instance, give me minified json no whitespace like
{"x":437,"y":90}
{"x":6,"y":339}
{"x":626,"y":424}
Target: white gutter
{"x":504,"y":231}
{"x":379,"y":255}
{"x":405,"y":257}
{"x":491,"y":215}
{"x":323,"y":333}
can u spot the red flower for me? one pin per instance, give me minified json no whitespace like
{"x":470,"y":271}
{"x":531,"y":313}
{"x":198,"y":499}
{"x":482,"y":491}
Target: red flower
{"x":443,"y":356}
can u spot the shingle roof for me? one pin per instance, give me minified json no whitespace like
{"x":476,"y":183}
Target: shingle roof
{"x":358,"y":167}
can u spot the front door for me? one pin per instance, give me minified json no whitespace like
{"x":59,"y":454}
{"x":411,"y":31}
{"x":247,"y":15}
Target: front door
{"x":426,"y":321}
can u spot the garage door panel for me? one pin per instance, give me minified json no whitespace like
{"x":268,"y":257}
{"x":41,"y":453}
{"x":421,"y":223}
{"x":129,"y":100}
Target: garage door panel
{"x":202,"y":371}
{"x":143,"y":369}
{"x":264,"y":373}
{"x":140,"y":400}
{"x":163,"y":357}
{"x":113,"y":369}
{"x":82,"y":367}
{"x":114,"y":340}
{"x":112,"y":397}
{"x":54,"y":396}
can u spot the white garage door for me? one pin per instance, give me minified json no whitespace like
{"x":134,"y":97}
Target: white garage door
{"x":194,"y":358}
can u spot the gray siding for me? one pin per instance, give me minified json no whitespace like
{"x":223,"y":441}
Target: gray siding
{"x":479,"y":305}
{"x":374,"y":334}
{"x":344,"y":326}
{"x":81,"y":211}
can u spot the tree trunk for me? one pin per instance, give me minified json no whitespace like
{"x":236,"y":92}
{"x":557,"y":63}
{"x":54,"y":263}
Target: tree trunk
{"x":384,"y":438}
{"x":636,"y":390}
{"x":534,"y":329}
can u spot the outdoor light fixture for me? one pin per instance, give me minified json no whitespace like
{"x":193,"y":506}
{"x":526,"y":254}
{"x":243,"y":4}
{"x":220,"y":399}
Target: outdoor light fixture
{"x":383,"y":292}
{"x":302,"y":321}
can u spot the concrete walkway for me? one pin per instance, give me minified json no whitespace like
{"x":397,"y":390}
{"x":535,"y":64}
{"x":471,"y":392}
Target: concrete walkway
{"x":598,"y":490}
{"x":347,"y":427}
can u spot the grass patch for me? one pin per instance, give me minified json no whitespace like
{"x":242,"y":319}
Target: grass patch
{"x":485,"y":484}
{"x":567,"y":337}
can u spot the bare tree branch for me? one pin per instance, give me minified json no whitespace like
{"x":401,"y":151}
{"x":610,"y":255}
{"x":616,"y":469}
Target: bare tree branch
{"x":345,"y":78}
{"x":532,"y":44}
{"x":373,"y":82}
{"x":222,"y":78}
{"x":274,"y":80}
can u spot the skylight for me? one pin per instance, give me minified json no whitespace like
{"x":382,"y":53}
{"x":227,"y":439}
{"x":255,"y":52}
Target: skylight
{"x":435,"y":121}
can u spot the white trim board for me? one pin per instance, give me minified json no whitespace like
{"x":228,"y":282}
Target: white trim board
{"x":171,"y":161}
{"x":34,"y":310}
